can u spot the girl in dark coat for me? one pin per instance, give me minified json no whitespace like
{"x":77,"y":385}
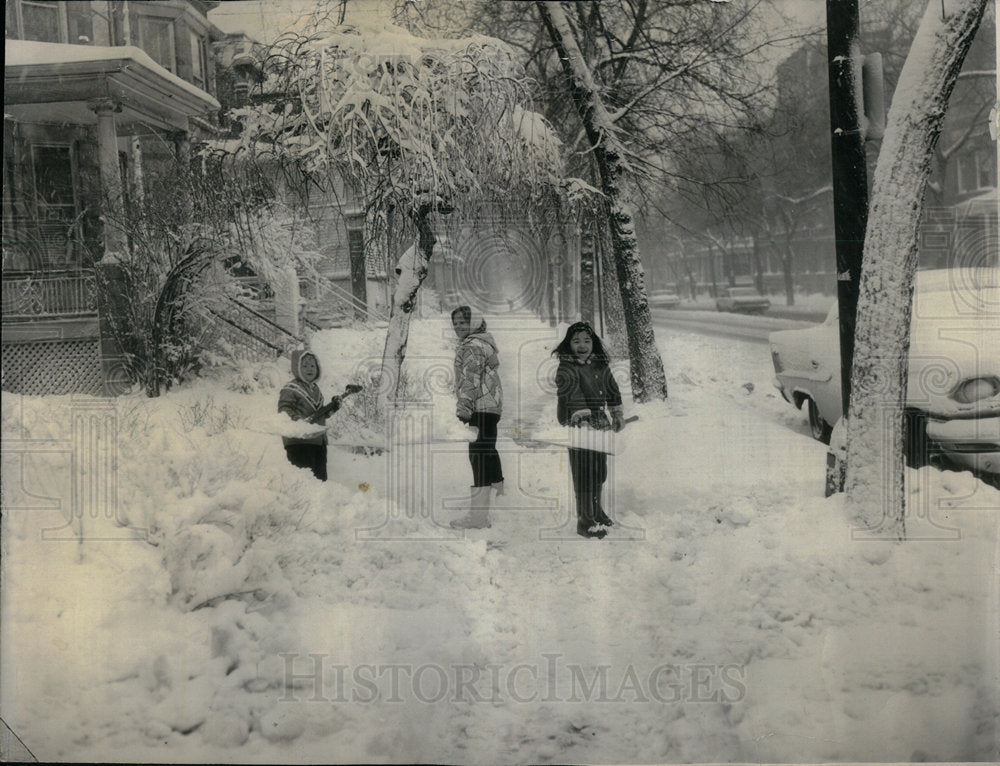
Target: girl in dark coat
{"x":585,"y":386}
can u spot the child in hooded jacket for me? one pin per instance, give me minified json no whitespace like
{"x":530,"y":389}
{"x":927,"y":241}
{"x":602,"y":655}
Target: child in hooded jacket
{"x":301,"y":399}
{"x":479,"y":396}
{"x":587,"y":391}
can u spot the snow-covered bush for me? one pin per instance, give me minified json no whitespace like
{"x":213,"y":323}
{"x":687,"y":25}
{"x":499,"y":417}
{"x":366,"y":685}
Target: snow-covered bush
{"x":213,"y":418}
{"x":193,"y":234}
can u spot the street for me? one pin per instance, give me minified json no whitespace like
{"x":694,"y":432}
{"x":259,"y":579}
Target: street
{"x":753,"y":329}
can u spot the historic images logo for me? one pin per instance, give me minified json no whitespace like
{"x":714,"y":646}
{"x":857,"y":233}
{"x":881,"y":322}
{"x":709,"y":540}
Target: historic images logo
{"x":318,"y":677}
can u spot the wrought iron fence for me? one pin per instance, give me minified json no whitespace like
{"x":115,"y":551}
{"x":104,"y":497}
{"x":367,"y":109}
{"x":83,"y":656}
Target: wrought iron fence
{"x":49,"y":294}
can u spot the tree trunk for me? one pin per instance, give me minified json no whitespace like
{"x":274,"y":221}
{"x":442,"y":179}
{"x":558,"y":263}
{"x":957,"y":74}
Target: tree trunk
{"x":711,"y":270}
{"x":557,"y":261}
{"x":615,"y":334}
{"x":587,"y":269}
{"x":786,"y":271}
{"x":874,"y":484}
{"x":412,"y":270}
{"x":649,"y":380}
{"x":758,"y":265}
{"x":552,"y":268}
{"x":788,"y":259}
{"x":692,"y":280}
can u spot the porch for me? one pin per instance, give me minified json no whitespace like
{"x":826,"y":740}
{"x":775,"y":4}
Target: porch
{"x":75,"y":117}
{"x":51,"y":334}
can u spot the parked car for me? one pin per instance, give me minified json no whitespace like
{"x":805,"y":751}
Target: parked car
{"x":664,"y":299}
{"x":742,"y":299}
{"x":953,"y":378}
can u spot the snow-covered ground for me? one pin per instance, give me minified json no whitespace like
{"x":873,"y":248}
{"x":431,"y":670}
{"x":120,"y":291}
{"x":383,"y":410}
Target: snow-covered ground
{"x":259,"y":615}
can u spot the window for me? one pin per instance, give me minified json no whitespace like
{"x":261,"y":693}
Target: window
{"x":156,"y":37}
{"x":241,"y":93}
{"x":975,"y":171}
{"x":42,"y":20}
{"x":10,"y":21}
{"x":55,"y":206}
{"x":199,"y":61}
{"x":986,"y":164}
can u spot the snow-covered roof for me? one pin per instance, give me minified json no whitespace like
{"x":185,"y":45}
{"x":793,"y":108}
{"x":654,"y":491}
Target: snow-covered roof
{"x":60,"y":58}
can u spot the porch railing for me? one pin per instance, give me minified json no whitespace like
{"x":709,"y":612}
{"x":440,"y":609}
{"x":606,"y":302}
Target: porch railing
{"x":250,"y":332}
{"x":71,"y":293}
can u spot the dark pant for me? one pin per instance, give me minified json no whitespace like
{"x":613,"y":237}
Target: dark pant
{"x":589,"y":469}
{"x":483,"y":455}
{"x":311,"y":456}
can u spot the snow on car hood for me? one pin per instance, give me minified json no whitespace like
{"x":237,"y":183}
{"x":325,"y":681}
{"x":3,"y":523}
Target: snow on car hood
{"x":954,"y":336}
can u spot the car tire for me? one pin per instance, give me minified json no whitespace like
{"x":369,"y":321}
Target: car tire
{"x":916,"y":446}
{"x":818,"y":428}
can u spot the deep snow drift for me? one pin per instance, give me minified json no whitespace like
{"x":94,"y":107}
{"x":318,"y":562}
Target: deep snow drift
{"x":224,"y":606}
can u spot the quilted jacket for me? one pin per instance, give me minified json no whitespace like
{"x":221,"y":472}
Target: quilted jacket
{"x":477,"y":375}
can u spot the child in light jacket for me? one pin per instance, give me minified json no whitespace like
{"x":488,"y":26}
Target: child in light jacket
{"x":479,"y":403}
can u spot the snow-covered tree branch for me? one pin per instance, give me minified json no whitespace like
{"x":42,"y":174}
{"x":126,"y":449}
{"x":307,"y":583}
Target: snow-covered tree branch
{"x":414,"y":125}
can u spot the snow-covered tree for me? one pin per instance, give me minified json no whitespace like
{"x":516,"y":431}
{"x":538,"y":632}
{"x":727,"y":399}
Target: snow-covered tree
{"x":874,"y":483}
{"x":415,"y":126}
{"x":188,"y":233}
{"x":649,"y":380}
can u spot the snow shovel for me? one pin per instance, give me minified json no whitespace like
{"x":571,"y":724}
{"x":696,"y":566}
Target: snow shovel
{"x":578,"y":437}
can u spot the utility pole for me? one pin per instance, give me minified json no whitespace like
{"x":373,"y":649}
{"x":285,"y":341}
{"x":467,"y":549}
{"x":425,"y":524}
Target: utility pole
{"x":850,"y":180}
{"x":850,"y":177}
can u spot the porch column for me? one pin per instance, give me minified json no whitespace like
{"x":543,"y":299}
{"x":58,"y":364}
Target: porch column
{"x":111,"y":179}
{"x":286,"y":299}
{"x":182,"y":149}
{"x":110,"y":277}
{"x":182,"y":156}
{"x":359,"y":271}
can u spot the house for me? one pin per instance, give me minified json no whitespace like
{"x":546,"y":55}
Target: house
{"x":95,"y":94}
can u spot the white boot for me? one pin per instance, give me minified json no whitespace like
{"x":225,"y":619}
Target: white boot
{"x":498,"y":487}
{"x":478,"y":516}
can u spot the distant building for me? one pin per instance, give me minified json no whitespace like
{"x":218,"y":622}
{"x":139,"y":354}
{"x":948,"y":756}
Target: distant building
{"x":239,"y":71}
{"x":960,"y":219}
